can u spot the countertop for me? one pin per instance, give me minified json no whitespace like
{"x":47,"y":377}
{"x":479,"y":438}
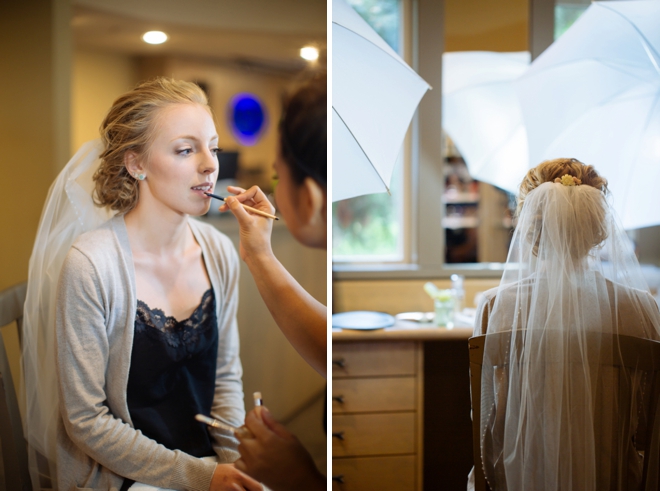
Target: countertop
{"x":403,"y":330}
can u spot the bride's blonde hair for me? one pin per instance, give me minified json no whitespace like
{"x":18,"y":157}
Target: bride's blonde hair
{"x":584,"y":228}
{"x":550,"y":170}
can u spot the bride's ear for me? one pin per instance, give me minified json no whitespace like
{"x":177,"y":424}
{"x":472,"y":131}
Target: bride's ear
{"x":132,"y":164}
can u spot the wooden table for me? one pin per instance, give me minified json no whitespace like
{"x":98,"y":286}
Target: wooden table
{"x":403,"y":330}
{"x":400,"y":404}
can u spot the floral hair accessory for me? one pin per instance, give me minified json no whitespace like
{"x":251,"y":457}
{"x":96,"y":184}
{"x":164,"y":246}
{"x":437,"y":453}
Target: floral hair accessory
{"x":568,"y":180}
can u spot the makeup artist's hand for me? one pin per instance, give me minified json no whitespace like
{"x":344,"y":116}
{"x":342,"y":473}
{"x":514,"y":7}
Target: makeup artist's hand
{"x":254,"y":230}
{"x":227,"y":478}
{"x":275,"y":457}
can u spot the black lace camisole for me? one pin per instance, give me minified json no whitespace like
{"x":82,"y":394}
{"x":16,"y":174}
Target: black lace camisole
{"x":172,"y":376}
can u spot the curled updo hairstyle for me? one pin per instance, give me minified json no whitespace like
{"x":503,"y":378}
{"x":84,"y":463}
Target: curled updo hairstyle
{"x":549,"y":170}
{"x":303,"y":131}
{"x":584,"y":227}
{"x":130,"y":126}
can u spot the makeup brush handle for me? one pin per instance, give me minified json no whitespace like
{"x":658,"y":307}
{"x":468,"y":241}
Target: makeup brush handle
{"x":259,"y":212}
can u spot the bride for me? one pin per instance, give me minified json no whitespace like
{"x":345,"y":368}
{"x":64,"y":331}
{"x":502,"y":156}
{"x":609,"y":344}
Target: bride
{"x":549,"y":414}
{"x":141,"y":325}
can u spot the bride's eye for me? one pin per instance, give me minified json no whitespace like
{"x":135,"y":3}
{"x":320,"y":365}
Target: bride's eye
{"x":184,"y":151}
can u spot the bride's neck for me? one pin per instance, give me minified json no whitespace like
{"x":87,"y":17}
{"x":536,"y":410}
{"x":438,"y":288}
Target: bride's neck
{"x":160,"y":232}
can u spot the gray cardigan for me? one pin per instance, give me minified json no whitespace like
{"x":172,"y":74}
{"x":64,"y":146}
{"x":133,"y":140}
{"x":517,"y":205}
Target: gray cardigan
{"x":97,"y":445}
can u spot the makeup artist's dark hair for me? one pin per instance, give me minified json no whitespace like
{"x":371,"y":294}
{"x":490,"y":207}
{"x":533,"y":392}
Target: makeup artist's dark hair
{"x":130,"y":126}
{"x":303,"y":130}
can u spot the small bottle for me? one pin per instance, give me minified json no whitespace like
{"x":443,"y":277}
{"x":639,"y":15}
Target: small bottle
{"x":459,"y":292}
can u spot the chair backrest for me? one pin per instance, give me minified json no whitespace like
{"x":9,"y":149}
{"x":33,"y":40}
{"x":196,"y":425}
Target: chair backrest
{"x":12,"y":441}
{"x":634,"y":353}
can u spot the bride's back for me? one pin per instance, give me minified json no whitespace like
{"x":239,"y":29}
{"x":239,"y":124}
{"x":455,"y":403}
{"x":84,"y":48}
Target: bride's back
{"x":627,"y":305}
{"x":557,"y":409}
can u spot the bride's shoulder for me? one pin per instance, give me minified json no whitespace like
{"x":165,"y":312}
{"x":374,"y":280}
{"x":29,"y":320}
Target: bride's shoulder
{"x":489,"y":295}
{"x":505,"y":290}
{"x":108,"y":239}
{"x":624,"y":291}
{"x":98,"y":234}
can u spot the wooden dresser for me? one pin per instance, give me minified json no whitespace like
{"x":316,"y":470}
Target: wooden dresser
{"x":377,"y":408}
{"x":377,"y":420}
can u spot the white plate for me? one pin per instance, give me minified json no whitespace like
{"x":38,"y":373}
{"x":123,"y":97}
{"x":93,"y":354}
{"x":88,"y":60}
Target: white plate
{"x":421,"y":317}
{"x":362,"y":319}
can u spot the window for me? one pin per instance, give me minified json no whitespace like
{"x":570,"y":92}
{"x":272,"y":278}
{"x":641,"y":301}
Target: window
{"x":403,"y":236}
{"x":566,"y":13}
{"x":370,"y":228}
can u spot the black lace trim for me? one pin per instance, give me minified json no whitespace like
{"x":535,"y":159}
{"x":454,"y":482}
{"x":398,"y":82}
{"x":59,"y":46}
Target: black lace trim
{"x":176,"y":333}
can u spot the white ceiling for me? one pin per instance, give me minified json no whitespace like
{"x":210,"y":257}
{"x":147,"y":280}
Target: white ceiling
{"x":269,"y":33}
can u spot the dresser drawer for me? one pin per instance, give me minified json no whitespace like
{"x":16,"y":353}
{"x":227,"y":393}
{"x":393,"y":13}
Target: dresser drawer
{"x":373,"y":359}
{"x":370,"y":473}
{"x":373,"y":434}
{"x":360,"y":395}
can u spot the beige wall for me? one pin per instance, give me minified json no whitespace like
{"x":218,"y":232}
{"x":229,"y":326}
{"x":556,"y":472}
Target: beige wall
{"x":34,"y":129}
{"x":396,"y":296}
{"x":98,"y":79}
{"x":33,"y":121}
{"x":486,"y":25}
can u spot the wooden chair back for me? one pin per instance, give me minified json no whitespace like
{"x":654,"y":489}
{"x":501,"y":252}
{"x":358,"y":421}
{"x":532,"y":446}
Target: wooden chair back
{"x":12,"y":441}
{"x":635,"y":353}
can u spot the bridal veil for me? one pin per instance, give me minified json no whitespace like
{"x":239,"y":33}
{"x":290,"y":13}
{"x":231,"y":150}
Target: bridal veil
{"x":68,"y":212}
{"x":550,"y":416}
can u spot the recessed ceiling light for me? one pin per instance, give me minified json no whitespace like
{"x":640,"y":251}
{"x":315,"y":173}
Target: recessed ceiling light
{"x":309,"y":53}
{"x":154,"y":37}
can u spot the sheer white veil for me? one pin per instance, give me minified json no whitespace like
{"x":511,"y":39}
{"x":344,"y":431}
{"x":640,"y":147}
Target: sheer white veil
{"x":549,"y":413}
{"x":68,"y":212}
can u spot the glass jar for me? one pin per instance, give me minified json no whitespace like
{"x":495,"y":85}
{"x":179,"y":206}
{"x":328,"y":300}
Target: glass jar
{"x":443,"y":303}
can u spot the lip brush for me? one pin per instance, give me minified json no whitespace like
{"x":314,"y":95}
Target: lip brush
{"x":253,"y":210}
{"x":258,"y":401}
{"x":214,"y":423}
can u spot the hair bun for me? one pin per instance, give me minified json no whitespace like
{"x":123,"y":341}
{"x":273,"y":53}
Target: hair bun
{"x":554,"y":170}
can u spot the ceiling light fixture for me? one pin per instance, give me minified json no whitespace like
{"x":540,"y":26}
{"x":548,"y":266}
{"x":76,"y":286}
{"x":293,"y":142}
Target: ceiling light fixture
{"x":309,"y":53}
{"x":154,"y":37}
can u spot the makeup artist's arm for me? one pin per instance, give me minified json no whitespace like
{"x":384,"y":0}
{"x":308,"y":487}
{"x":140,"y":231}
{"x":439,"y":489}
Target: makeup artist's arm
{"x":300,"y":316}
{"x":272,"y":455}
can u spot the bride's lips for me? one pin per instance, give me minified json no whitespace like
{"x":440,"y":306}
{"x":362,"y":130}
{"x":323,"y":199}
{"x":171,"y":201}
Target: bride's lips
{"x":200,"y":189}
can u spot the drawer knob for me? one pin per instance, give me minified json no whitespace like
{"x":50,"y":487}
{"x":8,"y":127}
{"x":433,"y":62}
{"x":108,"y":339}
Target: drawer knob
{"x":340,"y":362}
{"x":339,"y":478}
{"x":339,"y":435}
{"x":339,"y":399}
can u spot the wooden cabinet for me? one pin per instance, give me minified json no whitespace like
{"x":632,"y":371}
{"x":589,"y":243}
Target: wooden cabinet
{"x":377,"y":415}
{"x":361,"y":473}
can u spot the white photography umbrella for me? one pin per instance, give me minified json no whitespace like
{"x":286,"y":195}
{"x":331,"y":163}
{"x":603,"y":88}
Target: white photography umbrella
{"x":374,"y":96}
{"x":594,"y":95}
{"x":481,"y":114}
